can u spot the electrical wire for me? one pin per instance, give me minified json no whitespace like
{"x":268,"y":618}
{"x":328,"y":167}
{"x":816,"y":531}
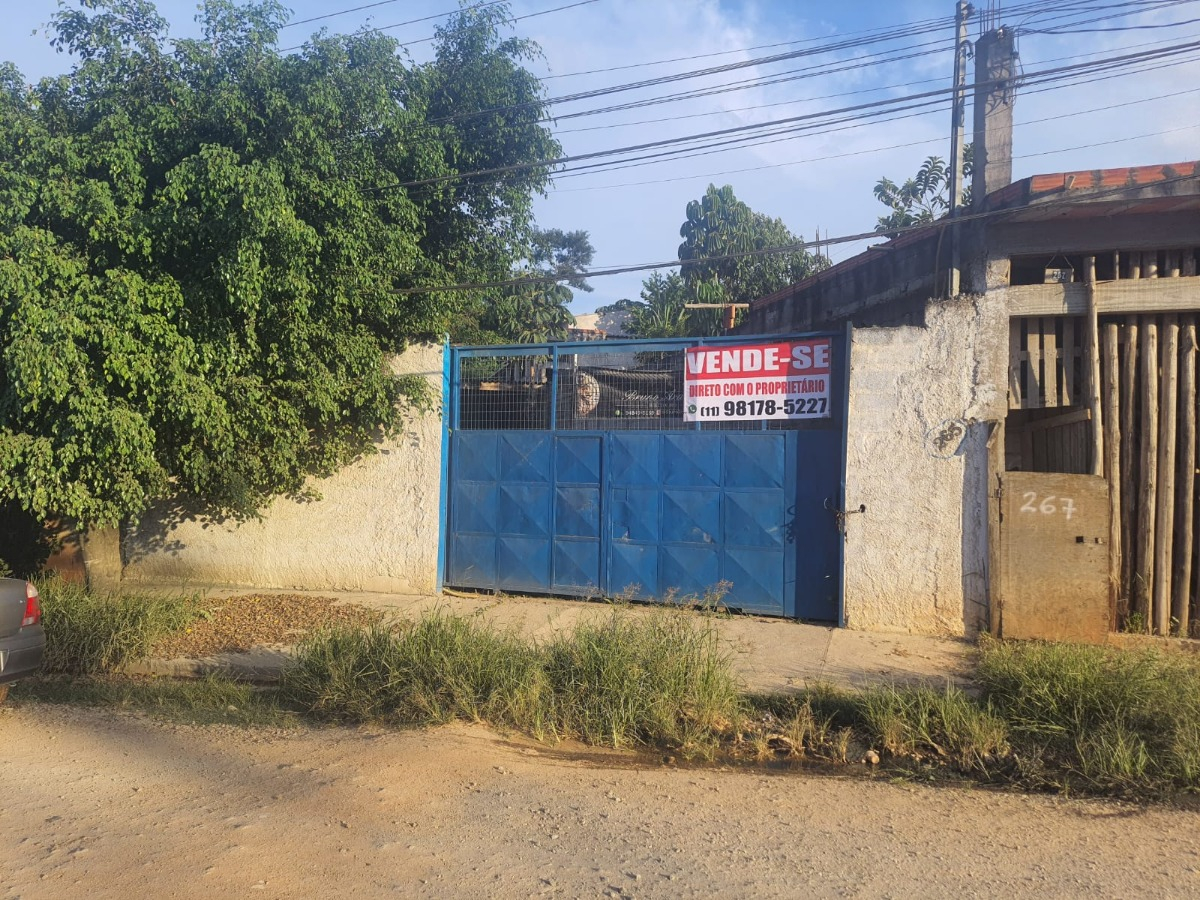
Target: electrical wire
{"x":796,"y":162}
{"x":759,"y":141}
{"x":1062,"y":72}
{"x":793,"y":102}
{"x":382,"y":28}
{"x":788,"y":248}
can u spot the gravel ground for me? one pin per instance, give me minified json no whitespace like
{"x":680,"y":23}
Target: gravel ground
{"x":100,"y":804}
{"x":237,"y":624}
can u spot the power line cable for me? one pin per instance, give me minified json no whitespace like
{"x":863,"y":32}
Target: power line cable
{"x":382,"y":28}
{"x":788,"y":248}
{"x":532,"y":15}
{"x":852,"y":153}
{"x":792,"y":134}
{"x":793,"y":102}
{"x":1036,"y":77}
{"x":354,"y":9}
{"x":1061,"y":11}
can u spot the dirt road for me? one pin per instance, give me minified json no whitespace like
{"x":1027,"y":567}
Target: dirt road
{"x":96,"y":804}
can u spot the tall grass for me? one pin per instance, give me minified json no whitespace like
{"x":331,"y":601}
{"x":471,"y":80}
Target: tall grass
{"x":943,"y":727}
{"x":89,"y":633}
{"x":1096,"y":717}
{"x":657,"y":678}
{"x":439,"y":668}
{"x":654,"y":679}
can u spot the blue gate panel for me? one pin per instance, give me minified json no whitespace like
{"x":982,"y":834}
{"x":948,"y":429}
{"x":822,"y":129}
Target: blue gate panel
{"x":634,"y":513}
{"x":692,"y":459}
{"x":577,"y":460}
{"x":689,"y":571}
{"x":524,"y":509}
{"x":522,"y":564}
{"x":755,"y":518}
{"x":577,"y":512}
{"x":755,"y":460}
{"x":473,"y":506}
{"x":691,"y":517}
{"x":476,"y":457}
{"x":633,"y":569}
{"x":525,"y":456}
{"x":633,"y":459}
{"x":577,"y":565}
{"x":472,"y":560}
{"x":757,"y":580}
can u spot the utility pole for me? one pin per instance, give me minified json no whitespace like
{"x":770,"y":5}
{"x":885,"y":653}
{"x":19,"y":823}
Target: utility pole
{"x":958,"y":115}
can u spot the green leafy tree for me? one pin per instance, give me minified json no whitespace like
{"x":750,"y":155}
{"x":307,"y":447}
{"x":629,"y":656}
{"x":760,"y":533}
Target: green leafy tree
{"x":661,"y":312}
{"x":204,"y":246}
{"x":922,"y":198}
{"x":539,"y":313}
{"x":719,"y":226}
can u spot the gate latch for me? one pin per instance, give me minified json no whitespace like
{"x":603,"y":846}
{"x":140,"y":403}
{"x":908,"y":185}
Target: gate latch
{"x":842,"y":514}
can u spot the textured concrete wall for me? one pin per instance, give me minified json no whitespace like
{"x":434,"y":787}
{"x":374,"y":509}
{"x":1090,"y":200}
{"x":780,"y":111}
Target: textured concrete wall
{"x":375,"y":527}
{"x":920,"y":403}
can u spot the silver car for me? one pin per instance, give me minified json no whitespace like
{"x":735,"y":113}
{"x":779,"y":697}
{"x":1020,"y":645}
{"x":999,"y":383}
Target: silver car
{"x":22,"y":639}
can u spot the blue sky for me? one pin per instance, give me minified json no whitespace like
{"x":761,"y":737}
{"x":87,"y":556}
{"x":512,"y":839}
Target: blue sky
{"x":815,"y":181}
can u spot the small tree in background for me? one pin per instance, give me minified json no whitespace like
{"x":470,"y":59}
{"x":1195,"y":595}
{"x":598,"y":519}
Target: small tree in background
{"x":922,"y":198}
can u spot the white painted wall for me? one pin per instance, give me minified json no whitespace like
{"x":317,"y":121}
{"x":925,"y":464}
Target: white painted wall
{"x":375,"y":527}
{"x":920,"y":400}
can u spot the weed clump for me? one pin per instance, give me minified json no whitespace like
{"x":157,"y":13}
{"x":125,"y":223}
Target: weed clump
{"x":1096,"y":717}
{"x":626,"y":681}
{"x":657,"y":678}
{"x":92,"y":633}
{"x":431,"y":671}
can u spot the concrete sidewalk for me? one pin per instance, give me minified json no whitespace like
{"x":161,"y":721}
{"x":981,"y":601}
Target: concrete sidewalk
{"x":771,"y":655}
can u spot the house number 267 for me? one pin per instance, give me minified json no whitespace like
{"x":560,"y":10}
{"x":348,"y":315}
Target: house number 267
{"x":1048,"y":505}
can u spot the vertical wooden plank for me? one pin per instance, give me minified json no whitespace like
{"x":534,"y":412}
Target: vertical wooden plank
{"x":1015,"y":394}
{"x":1051,"y":362}
{"x":995,"y":447}
{"x":1070,"y":351}
{"x":1165,"y":514}
{"x":1129,"y":446}
{"x":1185,"y":500}
{"x":1112,"y":459}
{"x":1150,"y":264}
{"x":1134,"y":267}
{"x":1033,"y":368}
{"x":1174,"y":262}
{"x":1092,"y":366}
{"x":1143,"y":582}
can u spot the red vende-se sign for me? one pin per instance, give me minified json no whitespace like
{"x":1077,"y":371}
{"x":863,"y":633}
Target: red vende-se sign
{"x":780,"y":380}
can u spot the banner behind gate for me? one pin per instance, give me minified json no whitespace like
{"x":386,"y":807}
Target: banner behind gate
{"x":784,"y":380}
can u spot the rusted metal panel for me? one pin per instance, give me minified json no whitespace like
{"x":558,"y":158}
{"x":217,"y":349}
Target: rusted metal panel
{"x":1055,"y":546}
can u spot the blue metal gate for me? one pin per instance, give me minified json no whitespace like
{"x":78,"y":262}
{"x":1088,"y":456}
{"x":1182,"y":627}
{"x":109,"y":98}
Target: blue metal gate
{"x":571,"y":471}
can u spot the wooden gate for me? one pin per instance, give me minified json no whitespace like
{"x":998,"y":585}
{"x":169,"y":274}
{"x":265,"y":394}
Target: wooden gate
{"x":1054,"y":557}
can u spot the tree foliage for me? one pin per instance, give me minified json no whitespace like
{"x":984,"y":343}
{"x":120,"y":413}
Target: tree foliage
{"x":202,"y":243}
{"x":539,"y":312}
{"x":922,"y":198}
{"x":716,"y":227}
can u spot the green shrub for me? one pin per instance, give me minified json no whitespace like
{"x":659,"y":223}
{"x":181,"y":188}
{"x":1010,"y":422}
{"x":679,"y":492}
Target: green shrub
{"x":91,"y":632}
